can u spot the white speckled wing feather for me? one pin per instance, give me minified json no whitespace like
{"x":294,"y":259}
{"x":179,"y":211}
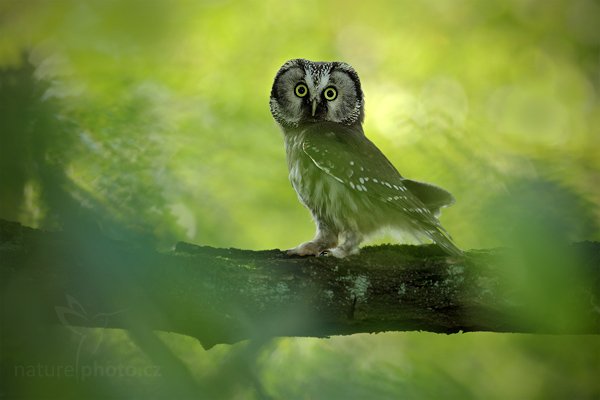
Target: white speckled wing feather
{"x":348,"y":156}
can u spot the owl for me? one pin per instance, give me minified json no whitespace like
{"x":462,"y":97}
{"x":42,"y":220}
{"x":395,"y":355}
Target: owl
{"x":351,"y":189}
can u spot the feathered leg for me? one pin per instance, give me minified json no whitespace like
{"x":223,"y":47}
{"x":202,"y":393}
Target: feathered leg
{"x":324,"y":239}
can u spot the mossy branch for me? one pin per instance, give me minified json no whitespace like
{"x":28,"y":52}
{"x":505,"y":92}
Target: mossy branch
{"x":227,"y":295}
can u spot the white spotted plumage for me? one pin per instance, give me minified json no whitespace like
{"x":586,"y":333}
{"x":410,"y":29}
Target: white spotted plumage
{"x":350,"y":187}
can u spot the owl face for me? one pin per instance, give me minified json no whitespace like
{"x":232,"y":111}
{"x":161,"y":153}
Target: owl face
{"x":306,"y":92}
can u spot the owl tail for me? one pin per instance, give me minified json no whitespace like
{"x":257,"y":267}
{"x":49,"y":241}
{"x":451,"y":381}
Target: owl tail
{"x":434,"y":197}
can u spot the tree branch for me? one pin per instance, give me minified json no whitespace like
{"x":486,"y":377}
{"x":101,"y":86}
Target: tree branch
{"x":227,"y":295}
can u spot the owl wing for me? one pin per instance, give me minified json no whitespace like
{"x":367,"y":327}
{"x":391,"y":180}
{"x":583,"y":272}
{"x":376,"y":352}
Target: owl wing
{"x":348,"y":156}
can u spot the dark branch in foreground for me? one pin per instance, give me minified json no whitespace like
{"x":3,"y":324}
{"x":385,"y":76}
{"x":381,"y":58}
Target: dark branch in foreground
{"x":227,"y":295}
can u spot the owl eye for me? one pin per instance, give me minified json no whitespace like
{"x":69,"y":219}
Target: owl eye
{"x":330,"y":93}
{"x":301,"y":90}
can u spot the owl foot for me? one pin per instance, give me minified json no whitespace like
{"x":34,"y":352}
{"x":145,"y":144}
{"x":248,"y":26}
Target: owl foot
{"x":307,"y":249}
{"x":339,"y":252}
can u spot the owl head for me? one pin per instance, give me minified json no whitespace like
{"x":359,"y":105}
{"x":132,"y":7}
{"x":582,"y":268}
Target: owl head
{"x":306,"y":92}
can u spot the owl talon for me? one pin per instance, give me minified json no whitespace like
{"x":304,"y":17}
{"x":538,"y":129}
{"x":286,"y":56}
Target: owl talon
{"x":296,"y":253}
{"x":306,"y":249}
{"x":324,"y":253}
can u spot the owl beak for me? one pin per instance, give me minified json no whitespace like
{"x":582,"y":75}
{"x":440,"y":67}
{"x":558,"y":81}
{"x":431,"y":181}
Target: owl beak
{"x":314,"y":107}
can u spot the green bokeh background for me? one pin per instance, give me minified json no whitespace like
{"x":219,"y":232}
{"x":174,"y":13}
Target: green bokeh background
{"x":149,"y":120}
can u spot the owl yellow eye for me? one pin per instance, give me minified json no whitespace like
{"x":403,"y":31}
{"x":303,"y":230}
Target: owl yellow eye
{"x":330,"y":93}
{"x":301,"y":90}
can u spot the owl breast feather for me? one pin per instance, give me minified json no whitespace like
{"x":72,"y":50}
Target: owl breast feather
{"x":329,"y":200}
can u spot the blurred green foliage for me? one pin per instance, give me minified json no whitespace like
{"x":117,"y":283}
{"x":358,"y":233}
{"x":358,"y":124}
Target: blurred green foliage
{"x":149,"y":120}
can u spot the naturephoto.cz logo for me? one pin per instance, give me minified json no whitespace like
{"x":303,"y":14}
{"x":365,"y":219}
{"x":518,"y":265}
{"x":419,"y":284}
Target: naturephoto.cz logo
{"x":86,"y":371}
{"x":73,"y":317}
